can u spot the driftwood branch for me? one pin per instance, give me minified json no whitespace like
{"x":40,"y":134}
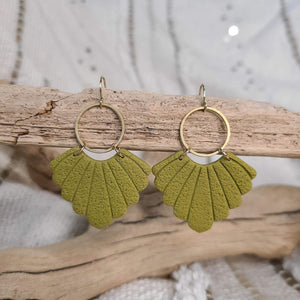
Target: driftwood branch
{"x":149,"y":241}
{"x":45,"y":116}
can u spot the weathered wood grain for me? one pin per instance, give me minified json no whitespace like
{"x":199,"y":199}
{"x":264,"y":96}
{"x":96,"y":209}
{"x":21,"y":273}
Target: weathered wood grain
{"x":149,"y":241}
{"x":45,"y":116}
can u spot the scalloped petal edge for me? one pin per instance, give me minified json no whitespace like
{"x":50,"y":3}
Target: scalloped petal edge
{"x":100,"y":190}
{"x":202,"y":194}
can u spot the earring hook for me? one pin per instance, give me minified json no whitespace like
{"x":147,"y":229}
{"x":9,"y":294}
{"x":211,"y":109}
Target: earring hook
{"x":102,"y":83}
{"x":202,"y":87}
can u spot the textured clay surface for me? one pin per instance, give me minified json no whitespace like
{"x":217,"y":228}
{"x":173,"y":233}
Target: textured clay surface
{"x":202,"y":194}
{"x":100,"y":190}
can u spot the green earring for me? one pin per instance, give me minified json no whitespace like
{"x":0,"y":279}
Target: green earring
{"x":100,"y":190}
{"x":202,"y":194}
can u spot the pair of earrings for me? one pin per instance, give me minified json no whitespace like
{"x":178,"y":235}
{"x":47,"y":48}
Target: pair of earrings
{"x":199,"y":194}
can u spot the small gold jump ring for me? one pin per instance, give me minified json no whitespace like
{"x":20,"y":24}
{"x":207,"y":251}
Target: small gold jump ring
{"x":183,"y":154}
{"x":224,"y":154}
{"x":115,"y":145}
{"x":79,"y":151}
{"x":220,"y":115}
{"x":117,"y":149}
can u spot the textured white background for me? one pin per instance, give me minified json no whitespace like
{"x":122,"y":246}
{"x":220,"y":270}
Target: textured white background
{"x":162,"y":46}
{"x":168,"y":47}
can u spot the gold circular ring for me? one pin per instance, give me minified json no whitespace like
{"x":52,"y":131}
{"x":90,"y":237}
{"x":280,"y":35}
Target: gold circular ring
{"x":220,"y":115}
{"x":120,"y":116}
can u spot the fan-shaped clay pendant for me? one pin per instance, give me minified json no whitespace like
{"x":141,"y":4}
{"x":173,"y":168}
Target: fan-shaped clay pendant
{"x":202,"y":194}
{"x":100,"y":190}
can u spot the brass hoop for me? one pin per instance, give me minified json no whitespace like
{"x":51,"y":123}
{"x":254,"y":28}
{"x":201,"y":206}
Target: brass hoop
{"x":100,"y":105}
{"x":220,"y":115}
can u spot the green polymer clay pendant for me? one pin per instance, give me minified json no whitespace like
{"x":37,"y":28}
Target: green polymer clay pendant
{"x":202,"y":194}
{"x":100,"y":190}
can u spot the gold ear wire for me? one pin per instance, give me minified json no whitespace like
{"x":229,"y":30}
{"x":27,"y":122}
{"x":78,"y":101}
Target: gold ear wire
{"x":202,"y":87}
{"x":102,"y":83}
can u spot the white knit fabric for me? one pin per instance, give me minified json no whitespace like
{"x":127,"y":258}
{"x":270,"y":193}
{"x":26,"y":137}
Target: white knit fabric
{"x":31,"y":217}
{"x":192,"y":283}
{"x":144,"y":289}
{"x":187,"y":283}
